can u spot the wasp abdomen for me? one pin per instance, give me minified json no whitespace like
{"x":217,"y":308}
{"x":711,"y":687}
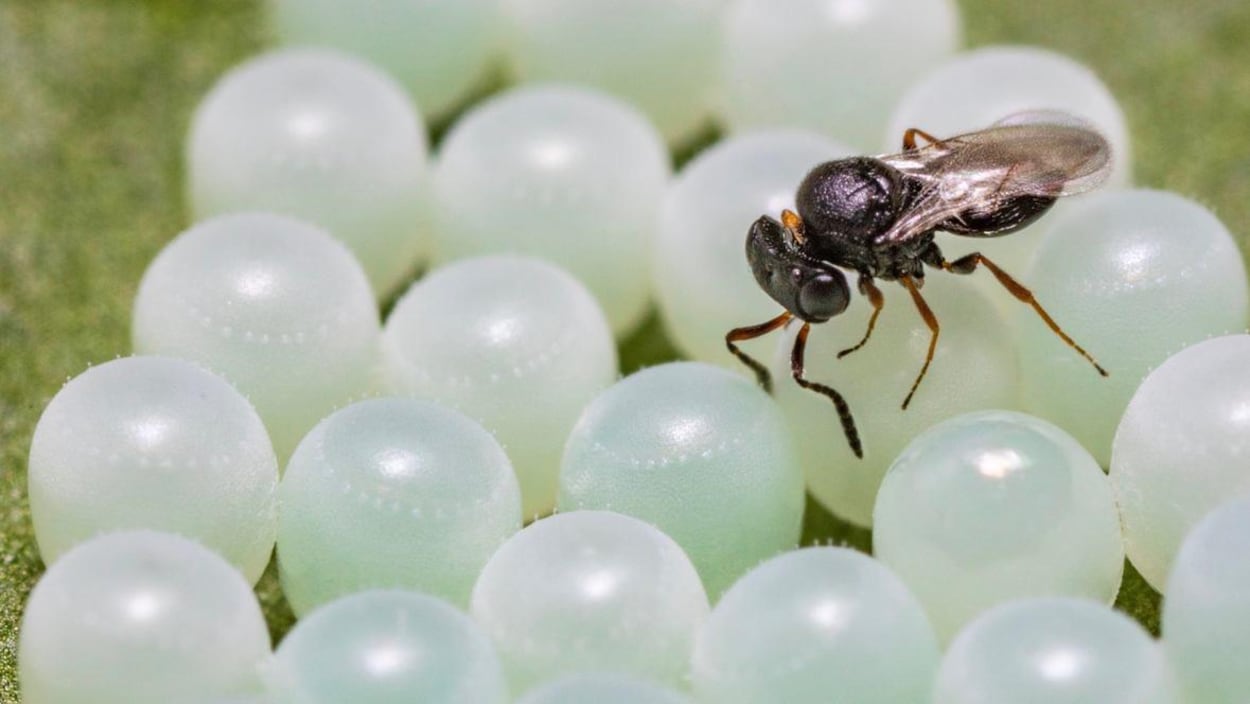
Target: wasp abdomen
{"x":1004,"y":218}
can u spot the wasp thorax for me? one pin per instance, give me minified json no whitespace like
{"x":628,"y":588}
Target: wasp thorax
{"x":856,"y":198}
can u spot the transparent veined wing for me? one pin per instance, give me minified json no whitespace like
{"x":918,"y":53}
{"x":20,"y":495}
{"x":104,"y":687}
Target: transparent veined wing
{"x":1046,"y":154}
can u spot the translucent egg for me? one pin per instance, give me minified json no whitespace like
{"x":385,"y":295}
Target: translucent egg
{"x":385,"y":646}
{"x":588,"y":591}
{"x":153,"y":442}
{"x":512,"y":342}
{"x":974,"y":367}
{"x":1206,"y":615}
{"x":566,"y":174}
{"x":277,"y":307}
{"x":1132,"y":276}
{"x":993,"y":506}
{"x":1053,"y":651}
{"x":323,"y":137}
{"x":140,"y":618}
{"x":1181,"y":448}
{"x":837,"y":66}
{"x":814,"y":624}
{"x":439,"y":50}
{"x":660,"y":55}
{"x":393,"y":493}
{"x":702,"y":454}
{"x":703,"y":284}
{"x":602,"y":688}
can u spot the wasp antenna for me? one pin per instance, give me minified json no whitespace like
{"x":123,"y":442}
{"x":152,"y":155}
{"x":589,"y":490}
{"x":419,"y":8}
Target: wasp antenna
{"x":844,"y":409}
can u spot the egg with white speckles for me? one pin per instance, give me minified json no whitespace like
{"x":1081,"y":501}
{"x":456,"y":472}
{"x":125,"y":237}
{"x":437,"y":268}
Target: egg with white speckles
{"x":393,"y":492}
{"x":812,"y":622}
{"x":515,"y":343}
{"x":383,"y":646}
{"x":992,"y":506}
{"x":321,"y":136}
{"x":1133,"y":276}
{"x":1181,"y":449}
{"x":699,"y":452}
{"x":141,"y":618}
{"x":276,"y":306}
{"x":567,"y":174}
{"x":156,"y":443}
{"x":589,"y":591}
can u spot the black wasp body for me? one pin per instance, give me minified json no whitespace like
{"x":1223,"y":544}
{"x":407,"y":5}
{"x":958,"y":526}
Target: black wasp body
{"x":876,"y":217}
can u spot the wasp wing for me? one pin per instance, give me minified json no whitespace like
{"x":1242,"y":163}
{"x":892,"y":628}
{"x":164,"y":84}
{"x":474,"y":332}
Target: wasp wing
{"x":1032,"y":154}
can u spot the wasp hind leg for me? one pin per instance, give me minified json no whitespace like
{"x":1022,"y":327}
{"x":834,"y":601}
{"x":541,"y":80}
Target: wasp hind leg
{"x":750,"y":333}
{"x":844,"y":409}
{"x":968,"y":264}
{"x":909,"y":138}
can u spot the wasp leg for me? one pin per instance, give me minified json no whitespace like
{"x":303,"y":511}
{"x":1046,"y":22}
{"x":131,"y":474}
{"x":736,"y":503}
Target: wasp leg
{"x":869,"y":289}
{"x":929,"y":319}
{"x":968,"y":264}
{"x":750,"y":333}
{"x":909,"y":138}
{"x":844,"y":410}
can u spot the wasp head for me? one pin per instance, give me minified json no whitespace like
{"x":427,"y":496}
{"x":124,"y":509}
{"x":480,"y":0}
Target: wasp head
{"x":812,"y":290}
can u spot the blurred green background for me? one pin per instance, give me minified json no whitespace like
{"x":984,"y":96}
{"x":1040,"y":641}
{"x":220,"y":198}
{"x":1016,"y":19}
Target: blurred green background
{"x":95,"y":96}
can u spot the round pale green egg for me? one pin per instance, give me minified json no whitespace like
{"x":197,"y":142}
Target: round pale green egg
{"x":973,"y":90}
{"x":140,"y":618}
{"x":590,"y":591}
{"x":660,"y":55}
{"x":812,"y":625}
{"x":1053,"y":651}
{"x":386,"y":647}
{"x":602,"y":688}
{"x":276,"y":306}
{"x":993,"y":506}
{"x":512,"y":342}
{"x":1133,"y":276}
{"x":702,"y":454}
{"x":704,"y":287}
{"x":159,"y":443}
{"x":1206,"y":613}
{"x":440,"y":50}
{"x":836,"y":66}
{"x":974,"y":367}
{"x":567,"y":174}
{"x":1181,"y":449}
{"x":393,"y":493}
{"x":323,"y":137}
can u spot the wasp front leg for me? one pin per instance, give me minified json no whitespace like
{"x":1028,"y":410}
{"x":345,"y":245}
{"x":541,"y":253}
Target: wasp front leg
{"x":877,"y":299}
{"x":750,"y":333}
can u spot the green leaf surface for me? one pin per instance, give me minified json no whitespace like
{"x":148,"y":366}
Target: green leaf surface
{"x":95,"y":96}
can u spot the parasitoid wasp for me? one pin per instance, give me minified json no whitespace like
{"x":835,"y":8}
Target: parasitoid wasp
{"x":877,"y":217}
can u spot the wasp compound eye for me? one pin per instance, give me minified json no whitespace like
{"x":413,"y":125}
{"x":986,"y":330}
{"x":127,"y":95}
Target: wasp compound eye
{"x":823,"y":296}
